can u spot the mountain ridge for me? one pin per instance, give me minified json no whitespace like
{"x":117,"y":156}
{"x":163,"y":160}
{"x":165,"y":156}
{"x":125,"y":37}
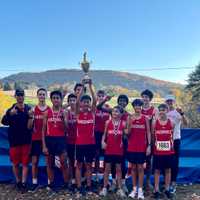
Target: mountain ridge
{"x":101,"y":78}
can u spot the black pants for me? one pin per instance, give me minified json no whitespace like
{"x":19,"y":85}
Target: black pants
{"x":175,"y":165}
{"x":123,"y":165}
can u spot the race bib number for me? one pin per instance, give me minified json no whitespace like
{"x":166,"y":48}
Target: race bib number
{"x":163,"y":145}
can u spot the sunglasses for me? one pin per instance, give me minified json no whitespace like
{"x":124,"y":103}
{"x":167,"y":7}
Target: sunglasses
{"x":169,"y":100}
{"x":56,"y":98}
{"x":20,"y":95}
{"x":162,"y":110}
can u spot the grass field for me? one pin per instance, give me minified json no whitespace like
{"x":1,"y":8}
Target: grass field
{"x":33,"y":101}
{"x":7,"y":99}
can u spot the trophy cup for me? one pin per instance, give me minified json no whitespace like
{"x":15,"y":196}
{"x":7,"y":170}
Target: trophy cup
{"x":85,"y":65}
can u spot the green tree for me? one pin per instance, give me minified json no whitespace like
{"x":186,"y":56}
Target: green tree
{"x":191,"y":98}
{"x":7,"y":86}
{"x":1,"y":85}
{"x":17,"y":85}
{"x":194,"y":83}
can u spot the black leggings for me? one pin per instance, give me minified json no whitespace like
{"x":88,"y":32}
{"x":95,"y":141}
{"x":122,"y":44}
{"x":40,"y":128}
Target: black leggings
{"x":123,"y":164}
{"x":175,"y":166}
{"x":123,"y":167}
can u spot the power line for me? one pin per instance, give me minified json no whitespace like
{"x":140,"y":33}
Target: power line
{"x":162,"y":69}
{"x":105,"y":68}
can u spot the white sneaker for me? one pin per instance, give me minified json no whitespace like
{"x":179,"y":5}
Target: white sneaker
{"x":133,"y":194}
{"x":121,"y":193}
{"x":103,"y":192}
{"x":140,"y":194}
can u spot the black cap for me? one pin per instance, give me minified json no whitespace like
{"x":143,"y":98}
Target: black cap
{"x":19,"y":92}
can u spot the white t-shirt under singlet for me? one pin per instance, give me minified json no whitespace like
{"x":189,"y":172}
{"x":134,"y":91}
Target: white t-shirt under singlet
{"x":175,"y":116}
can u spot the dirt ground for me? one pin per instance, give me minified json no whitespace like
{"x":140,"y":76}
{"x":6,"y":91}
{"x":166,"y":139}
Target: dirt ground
{"x":8,"y":192}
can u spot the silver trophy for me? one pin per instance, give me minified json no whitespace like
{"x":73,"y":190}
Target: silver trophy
{"x":85,"y":65}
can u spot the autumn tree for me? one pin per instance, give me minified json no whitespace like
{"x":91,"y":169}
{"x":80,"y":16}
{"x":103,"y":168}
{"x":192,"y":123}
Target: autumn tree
{"x":7,"y":86}
{"x":6,"y":102}
{"x":192,"y":93}
{"x":194,"y":82}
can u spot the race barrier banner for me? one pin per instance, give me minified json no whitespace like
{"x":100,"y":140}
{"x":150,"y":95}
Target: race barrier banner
{"x":189,"y":171}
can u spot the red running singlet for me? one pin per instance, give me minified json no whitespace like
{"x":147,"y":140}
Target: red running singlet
{"x":137,"y":140}
{"x":149,"y":113}
{"x":38,"y":122}
{"x":114,"y":138}
{"x":100,"y":120}
{"x":55,"y":124}
{"x":163,"y":138}
{"x":125,"y":116}
{"x":85,"y":128}
{"x":71,"y":128}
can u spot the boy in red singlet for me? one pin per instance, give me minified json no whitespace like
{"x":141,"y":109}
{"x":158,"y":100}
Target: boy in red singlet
{"x":37,"y":123}
{"x":53,"y":137}
{"x":139,"y":145}
{"x":100,"y":120}
{"x":150,"y":112}
{"x":122,"y":101}
{"x":85,"y":139}
{"x":147,"y":109}
{"x":113,"y":145}
{"x":162,"y":129}
{"x":78,"y":88}
{"x":71,"y":134}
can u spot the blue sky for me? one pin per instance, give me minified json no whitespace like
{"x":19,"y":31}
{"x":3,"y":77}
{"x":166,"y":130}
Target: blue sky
{"x":127,"y":35}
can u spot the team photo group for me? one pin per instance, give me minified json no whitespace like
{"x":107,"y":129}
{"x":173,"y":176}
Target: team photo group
{"x":85,"y":129}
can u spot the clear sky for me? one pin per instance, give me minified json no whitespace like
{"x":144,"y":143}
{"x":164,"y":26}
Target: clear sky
{"x":127,"y":35}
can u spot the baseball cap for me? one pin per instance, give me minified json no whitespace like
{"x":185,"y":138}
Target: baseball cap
{"x":170,"y":97}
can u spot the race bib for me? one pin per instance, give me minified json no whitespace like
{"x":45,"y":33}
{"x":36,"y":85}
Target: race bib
{"x":163,"y":145}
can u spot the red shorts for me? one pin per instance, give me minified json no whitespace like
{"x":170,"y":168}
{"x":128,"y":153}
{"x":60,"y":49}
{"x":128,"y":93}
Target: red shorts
{"x":20,"y":154}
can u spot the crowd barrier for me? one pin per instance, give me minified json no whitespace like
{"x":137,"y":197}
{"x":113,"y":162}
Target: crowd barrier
{"x":189,"y":171}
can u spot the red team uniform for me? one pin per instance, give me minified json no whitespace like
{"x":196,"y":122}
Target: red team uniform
{"x":71,"y":134}
{"x":115,"y":149}
{"x":137,"y":141}
{"x":36,"y":147}
{"x":149,"y":113}
{"x":85,"y":140}
{"x":100,"y":121}
{"x":55,"y":135}
{"x":125,"y":116}
{"x":163,"y":145}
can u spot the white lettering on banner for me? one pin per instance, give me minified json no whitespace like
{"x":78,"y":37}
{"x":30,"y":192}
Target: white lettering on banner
{"x":163,"y":145}
{"x":102,"y":114}
{"x":38,"y":117}
{"x":91,"y":121}
{"x":114,"y":132}
{"x":141,"y":126}
{"x":163,"y":132}
{"x":53,"y":120}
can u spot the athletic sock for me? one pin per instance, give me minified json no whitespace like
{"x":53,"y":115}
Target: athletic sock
{"x":35,"y":181}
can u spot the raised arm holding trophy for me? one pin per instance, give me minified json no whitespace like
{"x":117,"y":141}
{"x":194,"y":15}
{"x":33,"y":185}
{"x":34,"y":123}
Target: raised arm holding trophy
{"x":85,"y":65}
